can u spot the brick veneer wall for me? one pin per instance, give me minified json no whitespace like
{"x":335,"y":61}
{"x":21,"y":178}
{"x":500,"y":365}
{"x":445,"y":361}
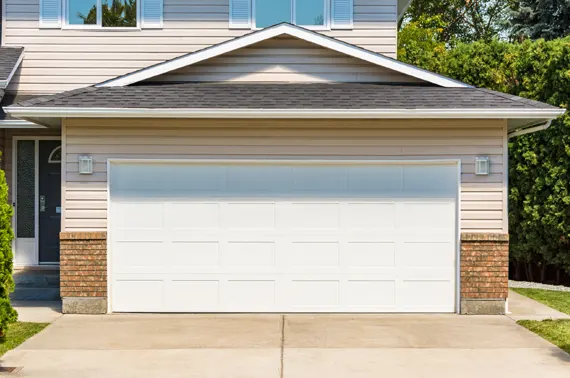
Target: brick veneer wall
{"x":484,"y":266}
{"x":83,"y":265}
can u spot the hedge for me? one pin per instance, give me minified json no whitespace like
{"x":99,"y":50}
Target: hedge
{"x":539,"y":198}
{"x":7,"y":313}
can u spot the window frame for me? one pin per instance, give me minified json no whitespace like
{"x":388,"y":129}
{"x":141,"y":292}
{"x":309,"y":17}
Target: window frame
{"x":325,"y":26}
{"x":99,"y":25}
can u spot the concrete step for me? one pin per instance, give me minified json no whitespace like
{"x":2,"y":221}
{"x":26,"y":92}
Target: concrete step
{"x":35,"y":294}
{"x":36,"y":278}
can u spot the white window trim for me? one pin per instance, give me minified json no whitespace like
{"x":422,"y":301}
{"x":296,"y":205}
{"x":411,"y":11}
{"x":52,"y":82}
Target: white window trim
{"x":99,"y":26}
{"x":327,"y":16}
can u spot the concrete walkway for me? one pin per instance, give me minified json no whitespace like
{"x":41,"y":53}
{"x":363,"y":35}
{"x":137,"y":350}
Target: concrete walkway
{"x":291,"y":346}
{"x":37,"y":311}
{"x":524,"y":308}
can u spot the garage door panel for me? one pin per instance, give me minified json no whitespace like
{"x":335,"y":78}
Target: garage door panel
{"x":191,"y":295}
{"x":282,"y":238}
{"x":371,"y":295}
{"x":368,"y":215}
{"x":426,"y":215}
{"x":137,"y":295}
{"x":427,"y":254}
{"x":139,"y":257}
{"x":369,"y":255}
{"x":247,"y":215}
{"x":192,"y":215}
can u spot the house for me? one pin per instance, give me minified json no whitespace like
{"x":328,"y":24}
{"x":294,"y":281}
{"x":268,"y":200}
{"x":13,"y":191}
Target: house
{"x":254,"y":156}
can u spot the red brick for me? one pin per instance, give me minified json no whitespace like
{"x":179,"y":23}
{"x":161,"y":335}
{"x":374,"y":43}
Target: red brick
{"x":484,"y":265}
{"x":83,"y":268}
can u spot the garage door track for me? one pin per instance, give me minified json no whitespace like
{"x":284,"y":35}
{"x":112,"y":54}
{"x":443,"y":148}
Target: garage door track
{"x":292,"y":346}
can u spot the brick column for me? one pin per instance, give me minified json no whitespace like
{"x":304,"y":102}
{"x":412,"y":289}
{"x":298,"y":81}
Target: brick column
{"x":83,"y":272}
{"x":484,"y":273}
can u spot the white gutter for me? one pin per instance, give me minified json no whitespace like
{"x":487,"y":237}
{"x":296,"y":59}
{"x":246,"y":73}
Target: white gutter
{"x":529,"y":130}
{"x":61,"y":112}
{"x":19,"y":124}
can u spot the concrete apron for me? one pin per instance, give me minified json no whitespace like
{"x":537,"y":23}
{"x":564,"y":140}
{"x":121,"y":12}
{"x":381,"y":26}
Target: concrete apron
{"x":287,"y":346}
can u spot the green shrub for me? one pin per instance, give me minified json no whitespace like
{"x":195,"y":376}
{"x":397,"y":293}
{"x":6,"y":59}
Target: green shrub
{"x":539,"y":164}
{"x":7,"y":313}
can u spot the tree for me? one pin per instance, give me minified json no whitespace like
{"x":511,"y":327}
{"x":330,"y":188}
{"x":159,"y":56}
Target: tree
{"x":462,"y":20}
{"x":7,"y":313}
{"x":118,"y":14}
{"x":534,"y":19}
{"x":539,"y":164}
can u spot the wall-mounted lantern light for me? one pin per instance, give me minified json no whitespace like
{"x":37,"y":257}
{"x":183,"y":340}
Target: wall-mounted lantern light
{"x":85,"y":165}
{"x":482,"y":166}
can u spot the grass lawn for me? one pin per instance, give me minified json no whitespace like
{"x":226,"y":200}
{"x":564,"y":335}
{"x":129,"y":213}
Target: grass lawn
{"x":558,"y":300}
{"x":18,"y":333}
{"x":555,"y":331}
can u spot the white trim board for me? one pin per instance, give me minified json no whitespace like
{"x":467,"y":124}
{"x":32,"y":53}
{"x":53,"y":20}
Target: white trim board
{"x":19,"y":124}
{"x":275,"y":31}
{"x":62,"y":112}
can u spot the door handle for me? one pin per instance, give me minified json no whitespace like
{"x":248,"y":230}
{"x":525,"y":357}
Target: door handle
{"x":42,"y":204}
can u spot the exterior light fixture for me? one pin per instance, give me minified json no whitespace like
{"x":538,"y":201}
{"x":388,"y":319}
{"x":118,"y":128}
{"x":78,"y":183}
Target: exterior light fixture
{"x":85,"y":165}
{"x":482,"y":166}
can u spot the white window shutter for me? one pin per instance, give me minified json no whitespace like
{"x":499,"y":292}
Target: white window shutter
{"x":50,"y":14}
{"x":240,"y":14}
{"x":342,"y":14}
{"x":151,"y":14}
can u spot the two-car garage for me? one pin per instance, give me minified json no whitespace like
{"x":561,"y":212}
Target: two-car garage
{"x":282,"y":236}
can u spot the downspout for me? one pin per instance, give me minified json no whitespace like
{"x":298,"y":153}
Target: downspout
{"x":528,"y":130}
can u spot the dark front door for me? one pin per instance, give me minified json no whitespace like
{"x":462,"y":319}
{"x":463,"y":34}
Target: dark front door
{"x":49,"y":206}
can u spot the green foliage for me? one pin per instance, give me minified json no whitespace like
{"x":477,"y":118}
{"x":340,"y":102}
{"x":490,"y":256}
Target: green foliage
{"x":121,"y":13}
{"x":462,"y":20}
{"x":539,"y":179}
{"x":420,"y":43}
{"x":7,"y":313}
{"x":548,"y":19}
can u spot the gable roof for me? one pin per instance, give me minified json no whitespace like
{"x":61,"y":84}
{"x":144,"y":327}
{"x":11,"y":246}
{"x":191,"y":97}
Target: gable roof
{"x":275,"y":31}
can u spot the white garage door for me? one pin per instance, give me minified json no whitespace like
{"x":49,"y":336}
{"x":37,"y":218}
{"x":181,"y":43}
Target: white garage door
{"x":282,"y":237}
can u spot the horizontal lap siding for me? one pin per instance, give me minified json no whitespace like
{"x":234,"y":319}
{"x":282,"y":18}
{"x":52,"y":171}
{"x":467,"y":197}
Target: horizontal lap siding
{"x":482,"y":197}
{"x":57,"y":60}
{"x":285,"y":60}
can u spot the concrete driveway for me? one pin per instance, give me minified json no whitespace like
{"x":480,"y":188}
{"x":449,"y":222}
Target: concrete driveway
{"x":292,"y":346}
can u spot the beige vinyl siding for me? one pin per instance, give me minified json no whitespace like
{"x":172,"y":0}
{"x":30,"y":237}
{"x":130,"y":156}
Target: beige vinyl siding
{"x":482,"y":198}
{"x":285,"y":59}
{"x":57,"y":60}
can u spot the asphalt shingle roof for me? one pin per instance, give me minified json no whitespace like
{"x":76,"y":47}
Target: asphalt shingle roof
{"x":283,"y":96}
{"x":8,"y":58}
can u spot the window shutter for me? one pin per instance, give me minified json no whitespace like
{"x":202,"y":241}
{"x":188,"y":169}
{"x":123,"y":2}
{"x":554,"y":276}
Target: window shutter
{"x":50,"y":14}
{"x":240,"y":14}
{"x":151,"y":14}
{"x":341,"y":15}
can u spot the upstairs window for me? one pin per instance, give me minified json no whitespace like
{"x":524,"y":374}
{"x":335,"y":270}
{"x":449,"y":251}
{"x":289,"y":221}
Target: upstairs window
{"x":102,"y":13}
{"x":307,"y":13}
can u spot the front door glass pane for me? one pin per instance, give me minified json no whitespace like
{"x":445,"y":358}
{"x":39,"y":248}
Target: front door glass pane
{"x":310,"y":12}
{"x":271,"y":12}
{"x":26,"y":189}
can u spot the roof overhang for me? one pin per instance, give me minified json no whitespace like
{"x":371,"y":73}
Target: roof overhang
{"x":518,"y":118}
{"x":276,"y":31}
{"x":4,"y":83}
